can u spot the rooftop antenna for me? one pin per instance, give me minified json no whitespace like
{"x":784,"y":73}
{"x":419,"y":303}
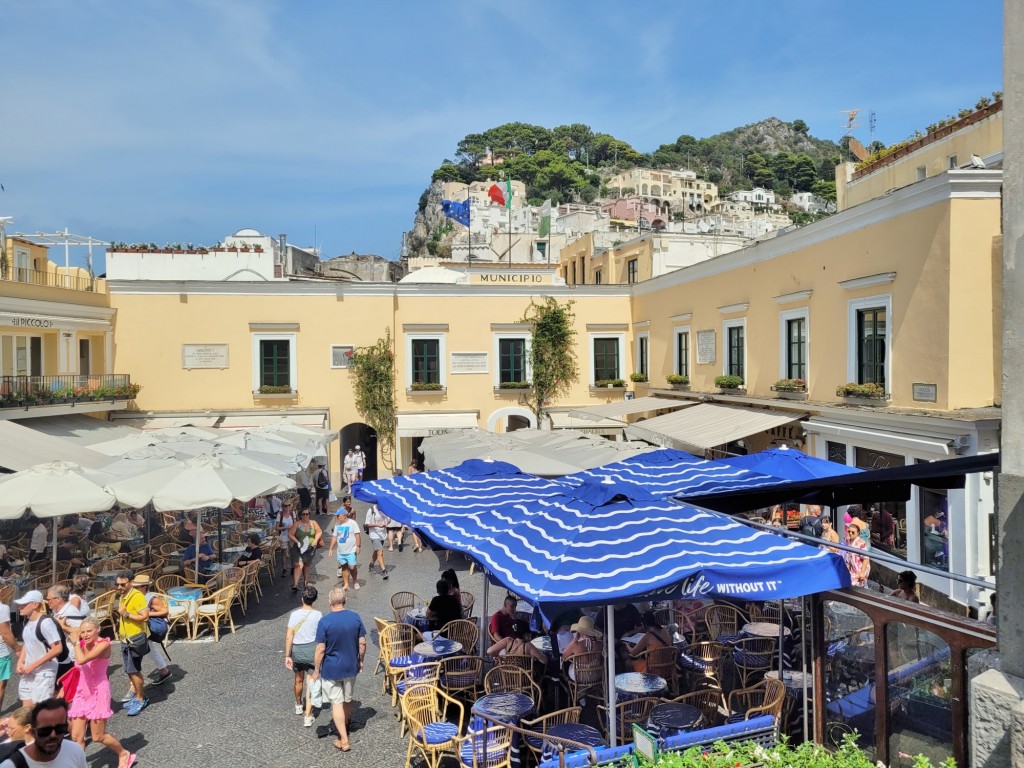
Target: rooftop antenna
{"x":871,"y":126}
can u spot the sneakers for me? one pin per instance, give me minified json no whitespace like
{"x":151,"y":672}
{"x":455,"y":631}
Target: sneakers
{"x":356,"y":585}
{"x":135,"y":706}
{"x":298,"y":709}
{"x":385,"y":576}
{"x":161,"y":679}
{"x":308,"y":721}
{"x":128,"y":697}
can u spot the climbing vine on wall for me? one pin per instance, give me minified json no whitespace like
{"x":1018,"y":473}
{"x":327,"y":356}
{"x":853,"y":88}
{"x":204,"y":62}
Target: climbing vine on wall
{"x":373,"y":381}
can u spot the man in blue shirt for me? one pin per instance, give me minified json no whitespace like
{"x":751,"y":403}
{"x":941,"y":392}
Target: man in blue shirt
{"x":206,"y":556}
{"x":340,"y":648}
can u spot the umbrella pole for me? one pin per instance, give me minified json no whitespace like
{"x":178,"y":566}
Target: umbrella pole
{"x":782,"y":637}
{"x":609,"y":628}
{"x":199,"y":528}
{"x":220,"y":537}
{"x":487,"y":616}
{"x":803,"y":656}
{"x":56,"y":525}
{"x":149,"y":534}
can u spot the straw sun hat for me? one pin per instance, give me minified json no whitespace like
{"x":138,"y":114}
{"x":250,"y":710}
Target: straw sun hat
{"x":585,"y":626}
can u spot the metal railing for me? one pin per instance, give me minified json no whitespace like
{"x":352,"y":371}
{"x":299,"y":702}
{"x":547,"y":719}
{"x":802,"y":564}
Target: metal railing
{"x":75,"y":387}
{"x":51,"y":279}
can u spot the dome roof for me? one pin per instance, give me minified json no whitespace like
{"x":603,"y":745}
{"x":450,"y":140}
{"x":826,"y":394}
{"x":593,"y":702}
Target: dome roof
{"x":436,"y":275}
{"x":247,"y":233}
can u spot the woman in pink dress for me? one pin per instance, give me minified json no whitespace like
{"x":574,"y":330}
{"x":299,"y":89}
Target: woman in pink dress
{"x":92,"y":698}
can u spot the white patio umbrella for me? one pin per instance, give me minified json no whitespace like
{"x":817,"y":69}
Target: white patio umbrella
{"x":196,"y":483}
{"x":134,"y":463}
{"x":52,"y":490}
{"x":122,"y":445}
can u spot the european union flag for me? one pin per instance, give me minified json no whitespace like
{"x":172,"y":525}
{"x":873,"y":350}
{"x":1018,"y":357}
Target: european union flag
{"x":456,"y":210}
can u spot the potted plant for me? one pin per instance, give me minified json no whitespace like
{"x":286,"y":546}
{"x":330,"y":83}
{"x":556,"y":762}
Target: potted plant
{"x":676,"y":381}
{"x":275,"y":389}
{"x":730,"y":383}
{"x":863,"y":394}
{"x":790,"y":389}
{"x":422,"y":386}
{"x":638,"y":377}
{"x":609,"y":383}
{"x":514,"y":385}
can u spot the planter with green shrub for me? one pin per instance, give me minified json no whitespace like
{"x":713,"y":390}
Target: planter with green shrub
{"x":638,"y":377}
{"x":729,"y":382}
{"x":419,"y":386}
{"x":609,"y":383}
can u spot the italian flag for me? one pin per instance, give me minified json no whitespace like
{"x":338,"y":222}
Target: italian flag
{"x":501,"y":196}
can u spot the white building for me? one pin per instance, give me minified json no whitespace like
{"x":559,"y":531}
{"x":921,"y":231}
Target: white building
{"x":758,"y":197}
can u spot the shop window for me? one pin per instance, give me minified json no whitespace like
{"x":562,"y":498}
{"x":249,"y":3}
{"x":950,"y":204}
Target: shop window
{"x":888,"y":520}
{"x":920,"y":693}
{"x":835,"y":452}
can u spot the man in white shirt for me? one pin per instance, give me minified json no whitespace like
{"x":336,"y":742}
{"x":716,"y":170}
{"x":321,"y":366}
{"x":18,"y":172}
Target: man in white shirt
{"x":37,"y":662}
{"x":360,"y":463}
{"x":349,"y":467}
{"x":50,"y":749}
{"x":376,"y":526}
{"x":347,"y":539}
{"x":37,"y":546}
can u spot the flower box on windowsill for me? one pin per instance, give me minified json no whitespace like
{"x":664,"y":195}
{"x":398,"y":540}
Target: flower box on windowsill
{"x":289,"y":395}
{"x":791,"y":394}
{"x":732,"y":391}
{"x":871,"y":395}
{"x":515,"y":388}
{"x":426,"y":389}
{"x":605,"y":389}
{"x":869,"y":402}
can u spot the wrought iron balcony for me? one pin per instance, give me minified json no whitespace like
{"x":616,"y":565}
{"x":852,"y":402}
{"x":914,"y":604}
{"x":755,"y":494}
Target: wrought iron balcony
{"x":21,"y":391}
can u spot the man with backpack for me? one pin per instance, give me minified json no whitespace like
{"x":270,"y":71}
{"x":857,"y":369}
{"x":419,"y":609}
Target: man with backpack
{"x":43,"y":644}
{"x":322,"y":484}
{"x":810,"y":524}
{"x":49,"y":725}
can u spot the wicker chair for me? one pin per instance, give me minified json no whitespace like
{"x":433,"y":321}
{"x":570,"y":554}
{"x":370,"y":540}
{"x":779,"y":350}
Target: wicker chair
{"x":461,"y":675}
{"x":509,"y":679}
{"x":213,"y":609}
{"x":541,"y":724}
{"x":408,"y":677}
{"x":487,"y":748}
{"x":533,"y":666}
{"x":462,"y":631}
{"x":586,"y":674}
{"x":431,"y":735}
{"x":381,"y":661}
{"x":101,"y":609}
{"x":178,"y":613}
{"x":627,"y":713}
{"x":710,"y":701}
{"x":396,"y":643}
{"x":401,"y":602}
{"x":468,"y":601}
{"x":752,"y":657}
{"x":663,"y":663}
{"x":765,"y":698}
{"x":704,"y":661}
{"x":723,"y":621}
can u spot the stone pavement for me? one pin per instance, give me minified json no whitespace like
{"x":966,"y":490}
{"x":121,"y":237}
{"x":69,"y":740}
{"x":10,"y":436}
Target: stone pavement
{"x":230,"y":703}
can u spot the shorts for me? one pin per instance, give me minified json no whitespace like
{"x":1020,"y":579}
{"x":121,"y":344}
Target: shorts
{"x":305,"y":499}
{"x":37,"y":687}
{"x":5,"y":667}
{"x":378,"y":544}
{"x":132,"y":661}
{"x":339,"y":691}
{"x":347,"y":559}
{"x":323,"y":494}
{"x":306,"y":558}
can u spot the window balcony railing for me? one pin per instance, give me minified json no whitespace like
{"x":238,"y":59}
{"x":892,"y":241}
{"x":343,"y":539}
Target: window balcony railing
{"x":16,"y":391}
{"x":50,"y":279}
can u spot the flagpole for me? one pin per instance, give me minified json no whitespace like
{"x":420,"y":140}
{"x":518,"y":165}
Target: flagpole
{"x":510,"y":231}
{"x":469,"y":213}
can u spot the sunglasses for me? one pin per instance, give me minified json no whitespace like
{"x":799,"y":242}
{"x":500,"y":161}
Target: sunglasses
{"x":123,"y":586}
{"x":45,"y":731}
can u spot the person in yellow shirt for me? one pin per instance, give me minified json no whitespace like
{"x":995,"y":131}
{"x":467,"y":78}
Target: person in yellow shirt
{"x":132,"y":616}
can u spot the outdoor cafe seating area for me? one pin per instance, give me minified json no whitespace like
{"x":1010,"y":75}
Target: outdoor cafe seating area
{"x":720,"y":677}
{"x":197,"y":601}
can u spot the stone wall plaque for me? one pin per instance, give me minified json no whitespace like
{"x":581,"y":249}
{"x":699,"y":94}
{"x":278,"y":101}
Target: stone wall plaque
{"x":204,"y":356}
{"x":468,"y":362}
{"x":706,"y":347}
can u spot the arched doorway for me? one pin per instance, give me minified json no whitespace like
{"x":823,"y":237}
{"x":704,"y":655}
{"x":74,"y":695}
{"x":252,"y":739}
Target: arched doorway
{"x":510,"y":419}
{"x":365,"y":437}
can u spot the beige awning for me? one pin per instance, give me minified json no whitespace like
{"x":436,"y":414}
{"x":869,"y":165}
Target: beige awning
{"x":433,"y":424}
{"x":78,"y":428}
{"x":623,"y":408}
{"x":22,"y":447}
{"x":707,"y":425}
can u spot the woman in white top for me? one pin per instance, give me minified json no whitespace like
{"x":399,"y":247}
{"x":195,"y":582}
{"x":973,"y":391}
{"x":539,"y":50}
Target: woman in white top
{"x":300,"y":648}
{"x":284,"y":524}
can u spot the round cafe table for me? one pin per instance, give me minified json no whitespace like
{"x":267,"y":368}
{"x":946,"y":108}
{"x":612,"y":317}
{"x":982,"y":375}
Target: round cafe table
{"x":578,"y":732}
{"x":505,"y":708}
{"x":672,"y":718}
{"x":186,"y":596}
{"x":771,"y":629}
{"x":543,"y":643}
{"x":634,"y":685}
{"x":261,"y":532}
{"x":235,"y":552}
{"x":435,"y":650}
{"x":418,"y":618}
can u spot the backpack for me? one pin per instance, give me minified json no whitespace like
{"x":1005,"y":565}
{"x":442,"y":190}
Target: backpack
{"x":810,"y":525}
{"x":63,"y":658}
{"x":323,"y":480}
{"x":12,"y":751}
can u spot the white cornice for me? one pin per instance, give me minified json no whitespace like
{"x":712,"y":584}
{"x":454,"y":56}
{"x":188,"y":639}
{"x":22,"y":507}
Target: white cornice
{"x":685,"y":317}
{"x":951,"y":185}
{"x":511,"y":326}
{"x":728,"y":309}
{"x":420,"y":327}
{"x":55,"y":309}
{"x":273,"y":327}
{"x":788,"y":298}
{"x":882,"y":278}
{"x":600,"y":327}
{"x":641,"y":325}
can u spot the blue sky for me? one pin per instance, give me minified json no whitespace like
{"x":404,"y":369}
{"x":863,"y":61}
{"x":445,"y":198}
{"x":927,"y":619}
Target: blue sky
{"x":187,"y":120}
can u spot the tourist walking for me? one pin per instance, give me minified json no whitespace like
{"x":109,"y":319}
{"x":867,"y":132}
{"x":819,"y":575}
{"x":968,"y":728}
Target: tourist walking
{"x":376,"y":527}
{"x":8,"y":645}
{"x":285,"y":521}
{"x":340,"y":649}
{"x":304,"y":537}
{"x":132,"y":618}
{"x":322,"y":486}
{"x":91,"y":702}
{"x":360,"y":463}
{"x":346,"y":539}
{"x":300,"y":648}
{"x":49,"y":724}
{"x":858,"y":564}
{"x":158,"y":609}
{"x":394,"y":530}
{"x":42,"y":645}
{"x":349,"y":468}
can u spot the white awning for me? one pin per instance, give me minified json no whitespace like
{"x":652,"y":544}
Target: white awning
{"x":434,"y":424}
{"x":623,"y":408}
{"x":249,"y":421}
{"x":78,"y":428}
{"x":940,"y":444}
{"x":602,"y":426}
{"x":164,"y":422}
{"x":707,"y":425}
{"x":22,"y":447}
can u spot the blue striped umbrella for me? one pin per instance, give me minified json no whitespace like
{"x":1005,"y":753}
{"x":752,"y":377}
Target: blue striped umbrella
{"x":673,"y":474}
